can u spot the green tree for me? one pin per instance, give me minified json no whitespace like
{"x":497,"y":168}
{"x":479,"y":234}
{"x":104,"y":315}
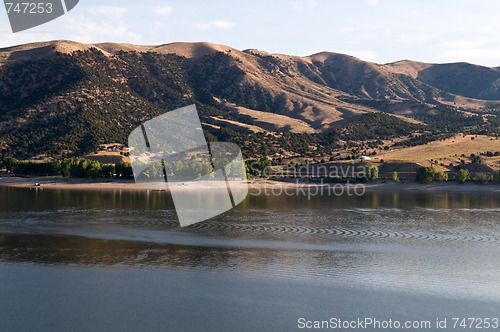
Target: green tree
{"x":127,"y":171}
{"x":177,"y":166}
{"x":442,"y":176}
{"x":65,"y":166}
{"x":253,"y":167}
{"x":483,"y":178}
{"x":124,"y":169}
{"x":9,"y":163}
{"x":265,"y":166}
{"x":155,"y":170}
{"x":235,"y":170}
{"x":496,"y":177}
{"x":108,"y":170}
{"x":247,"y":169}
{"x":463,"y":175}
{"x":425,"y":174}
{"x":206,"y":168}
{"x":34,"y":168}
{"x":79,"y":167}
{"x":372,"y":173}
{"x":395,"y":177}
{"x":260,"y":167}
{"x":94,"y":169}
{"x":88,"y":143}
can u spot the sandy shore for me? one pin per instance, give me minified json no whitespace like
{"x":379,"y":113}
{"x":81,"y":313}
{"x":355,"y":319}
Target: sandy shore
{"x":115,"y":184}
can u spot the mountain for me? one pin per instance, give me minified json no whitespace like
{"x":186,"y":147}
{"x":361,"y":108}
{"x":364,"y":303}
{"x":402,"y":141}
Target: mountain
{"x":66,"y":98}
{"x":461,"y":78}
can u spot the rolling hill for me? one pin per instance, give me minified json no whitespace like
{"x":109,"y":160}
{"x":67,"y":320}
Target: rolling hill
{"x":65,"y":98}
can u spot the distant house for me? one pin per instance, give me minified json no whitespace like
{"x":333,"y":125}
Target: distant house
{"x":364,"y":158}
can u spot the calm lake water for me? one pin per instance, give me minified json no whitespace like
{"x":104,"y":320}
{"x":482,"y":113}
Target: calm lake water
{"x":117,"y":260}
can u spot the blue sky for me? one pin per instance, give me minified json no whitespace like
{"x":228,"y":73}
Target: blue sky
{"x":376,"y":30}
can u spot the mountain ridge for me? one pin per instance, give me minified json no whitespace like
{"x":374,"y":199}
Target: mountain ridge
{"x":67,"y":97}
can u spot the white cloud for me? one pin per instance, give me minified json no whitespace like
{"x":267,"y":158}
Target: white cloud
{"x":109,"y":11}
{"x":414,"y":38}
{"x":481,"y":50}
{"x":464,"y":44}
{"x":99,"y":23}
{"x":223,"y":24}
{"x":7,"y":38}
{"x":480,"y":56}
{"x":157,"y":26}
{"x":164,"y":11}
{"x":372,"y":2}
{"x":218,"y":24}
{"x":346,"y":30}
{"x":303,"y":5}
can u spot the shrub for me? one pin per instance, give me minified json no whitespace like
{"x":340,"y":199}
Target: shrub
{"x":463,"y":175}
{"x":483,"y":178}
{"x":442,"y":176}
{"x":372,"y":173}
{"x":496,"y":177}
{"x":124,"y":170}
{"x":395,"y":177}
{"x":108,"y":170}
{"x":425,"y":174}
{"x":34,"y":168}
{"x":9,"y":163}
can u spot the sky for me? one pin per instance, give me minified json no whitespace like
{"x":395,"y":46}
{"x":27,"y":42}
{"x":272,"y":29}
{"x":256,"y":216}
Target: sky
{"x":381,"y":31}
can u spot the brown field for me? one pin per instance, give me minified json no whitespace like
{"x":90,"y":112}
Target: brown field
{"x":447,"y":152}
{"x":104,"y":156}
{"x":258,"y":121}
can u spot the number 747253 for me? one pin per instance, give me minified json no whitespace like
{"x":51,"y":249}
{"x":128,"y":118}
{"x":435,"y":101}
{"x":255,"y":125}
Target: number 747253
{"x":29,"y":7}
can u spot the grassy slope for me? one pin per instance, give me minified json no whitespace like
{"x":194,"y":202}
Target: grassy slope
{"x":447,"y":151}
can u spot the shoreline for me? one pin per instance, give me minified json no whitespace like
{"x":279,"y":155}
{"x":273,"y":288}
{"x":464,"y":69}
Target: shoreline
{"x":62,"y":183}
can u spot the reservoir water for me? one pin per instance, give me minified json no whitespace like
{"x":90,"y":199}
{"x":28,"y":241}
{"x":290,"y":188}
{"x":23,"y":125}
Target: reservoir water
{"x":116,"y":260}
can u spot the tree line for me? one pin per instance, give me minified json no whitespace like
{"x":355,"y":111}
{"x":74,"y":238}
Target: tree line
{"x":428,"y":174}
{"x":74,"y":167}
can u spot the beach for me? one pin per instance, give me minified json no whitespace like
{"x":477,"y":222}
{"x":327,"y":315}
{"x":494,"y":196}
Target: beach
{"x":59,"y":182}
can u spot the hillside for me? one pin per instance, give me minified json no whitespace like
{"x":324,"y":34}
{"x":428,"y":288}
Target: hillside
{"x":453,"y":151}
{"x":65,"y":98}
{"x":462,"y":79}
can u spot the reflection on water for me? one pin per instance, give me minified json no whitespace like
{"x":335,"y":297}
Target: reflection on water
{"x":39,"y":199}
{"x":424,"y":242}
{"x":410,"y":242}
{"x":117,"y":260}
